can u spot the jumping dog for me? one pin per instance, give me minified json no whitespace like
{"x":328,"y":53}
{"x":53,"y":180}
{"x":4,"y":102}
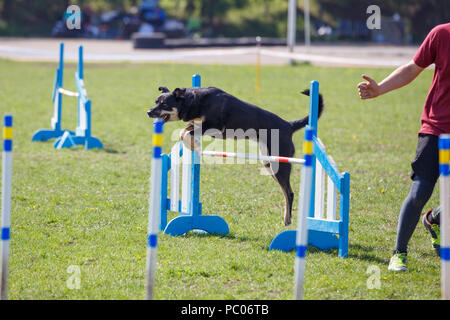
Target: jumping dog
{"x":219,"y":111}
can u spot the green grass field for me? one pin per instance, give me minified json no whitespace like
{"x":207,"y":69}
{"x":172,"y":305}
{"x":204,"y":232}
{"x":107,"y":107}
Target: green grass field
{"x":89,"y":208}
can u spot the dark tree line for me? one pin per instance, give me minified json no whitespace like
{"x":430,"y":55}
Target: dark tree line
{"x":421,"y":15}
{"x":241,"y":16}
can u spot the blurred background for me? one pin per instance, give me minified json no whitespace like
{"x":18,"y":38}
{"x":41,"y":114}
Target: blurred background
{"x":88,"y":209}
{"x":404,"y":22}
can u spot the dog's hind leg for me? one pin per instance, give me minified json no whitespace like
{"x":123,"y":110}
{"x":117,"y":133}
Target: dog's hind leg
{"x":282,"y":176}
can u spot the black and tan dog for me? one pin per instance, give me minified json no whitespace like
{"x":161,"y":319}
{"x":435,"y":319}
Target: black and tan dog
{"x":220,"y":112}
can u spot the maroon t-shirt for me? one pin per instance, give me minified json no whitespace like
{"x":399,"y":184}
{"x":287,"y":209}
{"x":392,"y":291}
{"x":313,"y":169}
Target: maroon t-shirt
{"x":436,"y":49}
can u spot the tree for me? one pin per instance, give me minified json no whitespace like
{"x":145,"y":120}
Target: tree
{"x":422,"y":14}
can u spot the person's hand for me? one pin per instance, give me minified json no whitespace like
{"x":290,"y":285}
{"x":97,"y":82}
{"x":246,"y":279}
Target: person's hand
{"x":368,"y":89}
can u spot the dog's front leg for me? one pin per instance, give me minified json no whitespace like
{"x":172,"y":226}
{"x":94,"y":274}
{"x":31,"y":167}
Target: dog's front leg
{"x":190,"y":142}
{"x":188,"y":138}
{"x":188,"y":128}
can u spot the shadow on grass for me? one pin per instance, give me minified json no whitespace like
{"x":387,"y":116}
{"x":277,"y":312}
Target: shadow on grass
{"x":202,"y":234}
{"x":355,"y":251}
{"x":97,"y":150}
{"x":366,"y":253}
{"x":312,"y":250}
{"x":231,"y":236}
{"x":113,"y":151}
{"x":244,"y":238}
{"x":81,"y":147}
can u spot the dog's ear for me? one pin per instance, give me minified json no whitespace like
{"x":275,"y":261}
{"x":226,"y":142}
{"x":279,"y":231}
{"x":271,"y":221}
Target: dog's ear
{"x":163,"y":89}
{"x":179,"y":93}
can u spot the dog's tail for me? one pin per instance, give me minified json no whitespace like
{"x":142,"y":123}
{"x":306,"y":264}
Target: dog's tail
{"x":298,"y":124}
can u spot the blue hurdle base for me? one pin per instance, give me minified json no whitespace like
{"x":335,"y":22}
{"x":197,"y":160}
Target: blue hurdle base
{"x":185,"y":223}
{"x":69,"y":140}
{"x":47,"y":134}
{"x":285,"y":241}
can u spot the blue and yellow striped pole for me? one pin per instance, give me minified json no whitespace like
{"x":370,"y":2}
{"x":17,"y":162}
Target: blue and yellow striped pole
{"x":444,"y":169}
{"x":6,"y":203}
{"x":301,"y":241}
{"x":154,"y":206}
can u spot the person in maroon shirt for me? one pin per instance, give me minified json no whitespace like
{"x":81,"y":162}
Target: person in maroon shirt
{"x":435,"y":121}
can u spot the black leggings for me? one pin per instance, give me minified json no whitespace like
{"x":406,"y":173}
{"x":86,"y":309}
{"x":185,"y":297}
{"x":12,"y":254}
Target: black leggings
{"x":419,"y":194}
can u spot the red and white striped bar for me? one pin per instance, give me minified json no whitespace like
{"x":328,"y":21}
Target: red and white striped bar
{"x":252,"y":157}
{"x":68,"y":92}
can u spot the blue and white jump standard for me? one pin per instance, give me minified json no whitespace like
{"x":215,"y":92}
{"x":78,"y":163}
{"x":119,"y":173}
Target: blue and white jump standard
{"x":6,"y":203}
{"x":82,"y":134}
{"x":444,"y":168}
{"x":301,"y":241}
{"x":154,"y":206}
{"x":56,"y":131}
{"x":324,"y":232}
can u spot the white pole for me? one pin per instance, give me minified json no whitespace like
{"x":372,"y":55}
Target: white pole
{"x":444,"y":166}
{"x":186,"y":185}
{"x":320,"y":191}
{"x":6,"y":204}
{"x":307,"y":26}
{"x":154,"y":207}
{"x":301,"y":241}
{"x":331,"y":199}
{"x":292,"y":15}
{"x":175,"y":177}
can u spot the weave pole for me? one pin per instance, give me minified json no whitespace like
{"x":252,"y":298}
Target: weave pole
{"x":301,"y":241}
{"x":444,"y":168}
{"x":154,"y":206}
{"x":6,"y":203}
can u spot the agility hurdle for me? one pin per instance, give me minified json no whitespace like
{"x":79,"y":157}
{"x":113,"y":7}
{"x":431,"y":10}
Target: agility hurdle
{"x":325,"y":231}
{"x":6,"y":203}
{"x":444,"y":168}
{"x":189,"y":207}
{"x":82,"y":134}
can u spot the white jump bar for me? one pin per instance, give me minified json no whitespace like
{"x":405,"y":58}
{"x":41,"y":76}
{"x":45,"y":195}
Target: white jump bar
{"x":68,"y":93}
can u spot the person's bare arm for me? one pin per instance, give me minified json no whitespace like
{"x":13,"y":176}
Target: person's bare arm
{"x":397,"y":79}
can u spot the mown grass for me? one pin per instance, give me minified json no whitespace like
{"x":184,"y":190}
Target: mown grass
{"x":89,"y":208}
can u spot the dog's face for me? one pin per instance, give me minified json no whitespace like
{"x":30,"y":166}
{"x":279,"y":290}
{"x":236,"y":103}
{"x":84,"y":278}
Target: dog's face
{"x":168,"y":104}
